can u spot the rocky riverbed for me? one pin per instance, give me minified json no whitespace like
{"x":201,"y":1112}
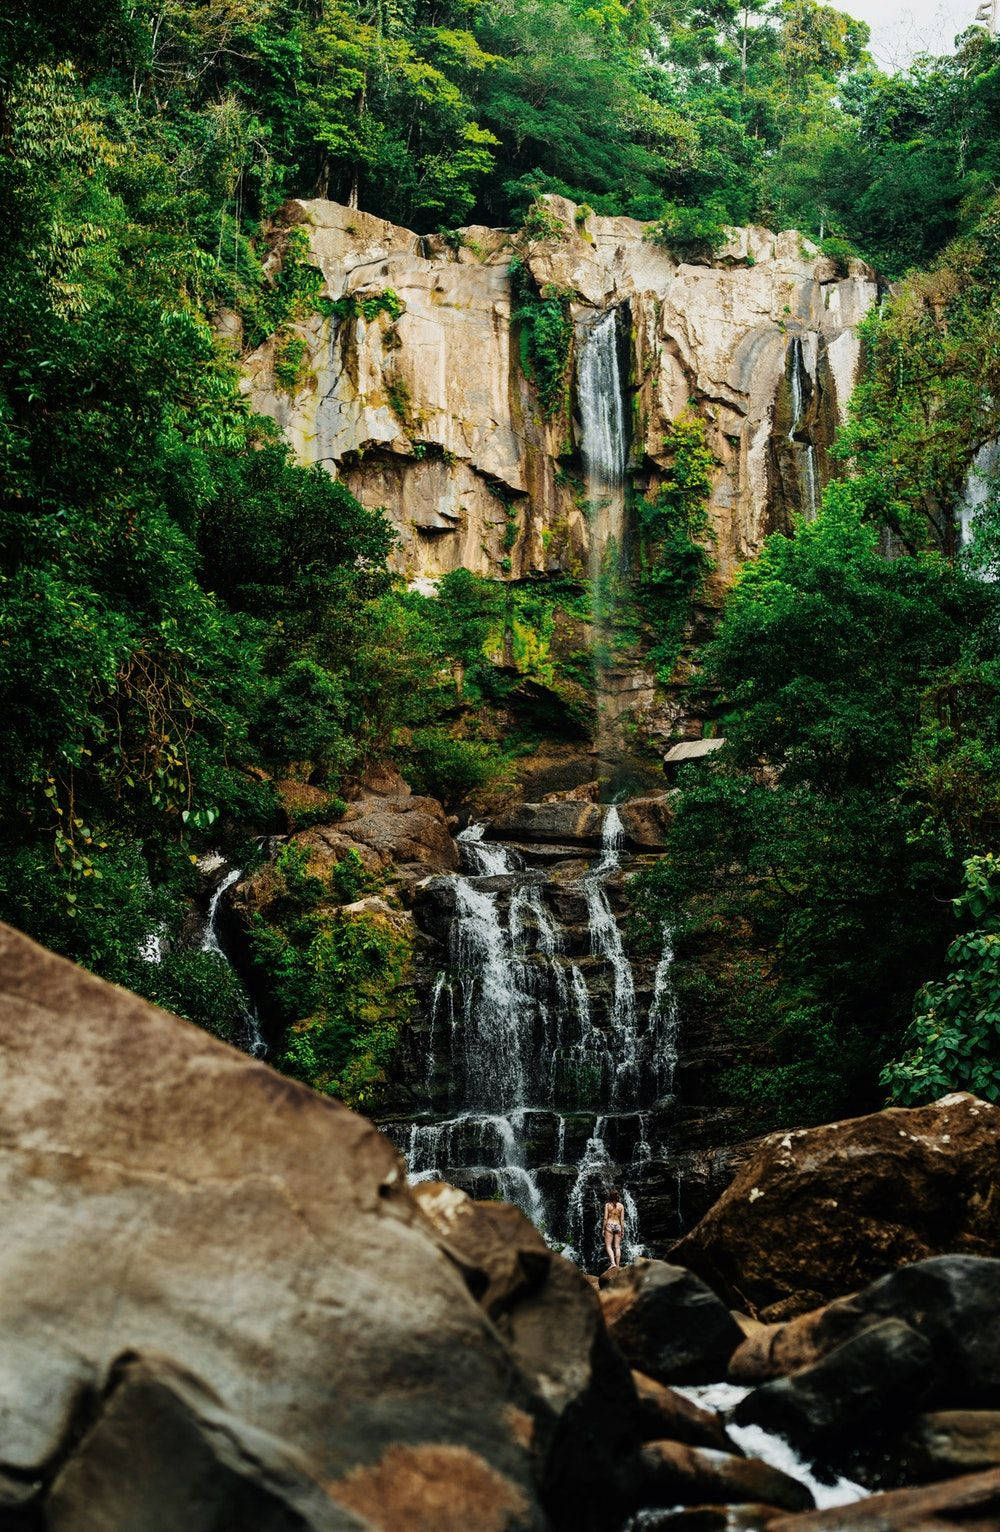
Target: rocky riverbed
{"x":223,"y":1307}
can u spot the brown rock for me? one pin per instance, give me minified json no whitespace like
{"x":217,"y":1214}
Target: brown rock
{"x":669,"y":1324}
{"x":867,"y":1385}
{"x":821,"y":1211}
{"x":665,"y":1414}
{"x":163,"y":1454}
{"x":951,"y":1301}
{"x":587,"y":1415}
{"x":646,"y":821}
{"x":945,"y":1442}
{"x":672,"y":1472}
{"x":971,"y":1504}
{"x":163,"y":1193}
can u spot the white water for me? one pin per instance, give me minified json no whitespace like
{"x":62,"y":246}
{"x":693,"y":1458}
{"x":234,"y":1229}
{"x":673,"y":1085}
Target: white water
{"x":606,"y":943}
{"x":758,"y":1443}
{"x":804,"y":453}
{"x":664,"y":1018}
{"x":538,"y":1048}
{"x":151,"y":946}
{"x":600,"y":397}
{"x":980,"y":483}
{"x":253,"y":1042}
{"x":491,"y":996}
{"x":484,"y":859}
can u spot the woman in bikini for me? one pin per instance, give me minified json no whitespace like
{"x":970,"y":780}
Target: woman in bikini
{"x":613,"y":1227}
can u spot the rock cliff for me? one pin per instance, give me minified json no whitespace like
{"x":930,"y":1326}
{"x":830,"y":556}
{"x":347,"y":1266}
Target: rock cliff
{"x":410,"y":387}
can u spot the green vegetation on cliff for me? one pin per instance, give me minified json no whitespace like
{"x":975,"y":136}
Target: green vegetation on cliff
{"x":814,"y":861}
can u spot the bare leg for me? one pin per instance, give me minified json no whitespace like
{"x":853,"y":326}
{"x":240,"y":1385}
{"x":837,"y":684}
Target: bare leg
{"x":618,"y":1249}
{"x":609,"y":1247}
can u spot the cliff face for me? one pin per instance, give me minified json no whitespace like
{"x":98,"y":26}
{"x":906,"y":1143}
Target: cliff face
{"x":423,"y":406}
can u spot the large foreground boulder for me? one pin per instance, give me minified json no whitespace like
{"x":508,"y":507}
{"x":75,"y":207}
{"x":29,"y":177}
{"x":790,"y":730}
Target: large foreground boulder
{"x":162,"y":1195}
{"x":820,"y":1212}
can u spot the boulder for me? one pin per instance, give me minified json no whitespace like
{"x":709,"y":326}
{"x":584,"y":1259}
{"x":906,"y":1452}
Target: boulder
{"x":503,"y":1255}
{"x":665,"y":1414}
{"x":953,"y":1301}
{"x":946,"y":1442}
{"x":162,"y":1454}
{"x":669,"y":1324}
{"x":573,"y":823}
{"x":668,"y":1473}
{"x":870,"y":1383}
{"x":819,"y":1212}
{"x":969,"y":1504}
{"x":646,"y":821}
{"x":162,"y":1193}
{"x":550,"y":1317}
{"x":400,"y":838}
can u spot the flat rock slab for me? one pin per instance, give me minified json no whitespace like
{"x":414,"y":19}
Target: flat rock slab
{"x":162,"y":1194}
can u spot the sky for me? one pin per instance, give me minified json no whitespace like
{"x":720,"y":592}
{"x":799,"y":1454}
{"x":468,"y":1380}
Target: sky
{"x":902,"y":28}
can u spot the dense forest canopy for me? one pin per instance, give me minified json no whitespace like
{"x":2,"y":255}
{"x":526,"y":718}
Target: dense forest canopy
{"x":184,"y":612}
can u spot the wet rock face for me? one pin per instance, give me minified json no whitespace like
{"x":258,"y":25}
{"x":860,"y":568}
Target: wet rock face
{"x":425,"y":410}
{"x":819,"y":1212}
{"x":164,"y":1196}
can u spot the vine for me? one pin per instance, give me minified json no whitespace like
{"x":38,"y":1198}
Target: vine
{"x":545,"y":337}
{"x":673,"y":528}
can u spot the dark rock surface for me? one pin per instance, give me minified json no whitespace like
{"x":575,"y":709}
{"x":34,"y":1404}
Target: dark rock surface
{"x":669,"y":1324}
{"x":874,"y":1380}
{"x":953,"y":1301}
{"x":820,"y":1212}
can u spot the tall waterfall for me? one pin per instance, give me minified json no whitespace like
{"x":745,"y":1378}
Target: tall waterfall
{"x":600,"y":402}
{"x":549,"y":1055}
{"x":803,"y":450}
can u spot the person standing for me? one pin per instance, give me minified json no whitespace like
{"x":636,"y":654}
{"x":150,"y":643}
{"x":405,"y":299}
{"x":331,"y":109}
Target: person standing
{"x":613,"y":1226}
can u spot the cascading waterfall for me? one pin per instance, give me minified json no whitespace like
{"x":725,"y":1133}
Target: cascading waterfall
{"x":600,"y":400}
{"x":555,"y":1058}
{"x":251,"y":1038}
{"x":803,"y":451}
{"x":601,"y":413}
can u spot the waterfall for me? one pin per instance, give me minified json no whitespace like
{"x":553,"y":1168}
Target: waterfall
{"x":549,"y":1056}
{"x":600,"y":400}
{"x":980,"y":482}
{"x":483,"y":859}
{"x":491,"y":995}
{"x":803,"y":452}
{"x":251,"y":1039}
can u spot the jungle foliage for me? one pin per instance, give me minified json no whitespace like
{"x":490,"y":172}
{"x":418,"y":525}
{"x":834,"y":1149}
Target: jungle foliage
{"x":815,"y":859}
